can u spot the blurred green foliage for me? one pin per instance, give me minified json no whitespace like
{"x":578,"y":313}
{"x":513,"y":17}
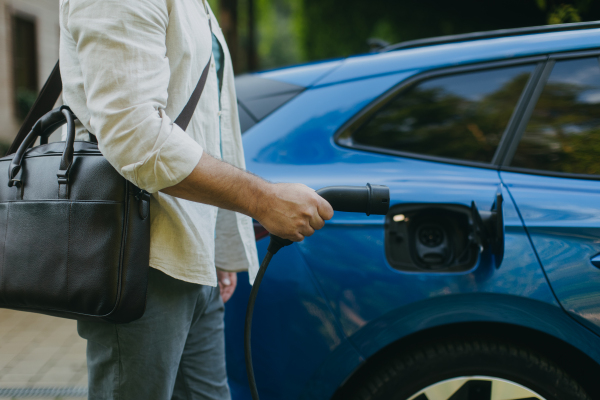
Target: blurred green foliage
{"x":341,"y":31}
{"x":25,"y":100}
{"x":279,"y":32}
{"x":280,"y":25}
{"x":559,"y":12}
{"x":335,"y":28}
{"x":293,"y":31}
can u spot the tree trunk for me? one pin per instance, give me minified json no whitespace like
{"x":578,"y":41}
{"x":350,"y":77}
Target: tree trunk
{"x":228,"y":19}
{"x":252,"y":54}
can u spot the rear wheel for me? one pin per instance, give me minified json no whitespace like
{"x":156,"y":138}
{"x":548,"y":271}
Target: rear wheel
{"x":474,"y":370}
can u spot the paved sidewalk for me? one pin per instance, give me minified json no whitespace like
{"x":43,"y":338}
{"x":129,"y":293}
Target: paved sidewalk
{"x":37,"y":351}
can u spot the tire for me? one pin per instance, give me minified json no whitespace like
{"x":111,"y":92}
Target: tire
{"x":480,"y":365}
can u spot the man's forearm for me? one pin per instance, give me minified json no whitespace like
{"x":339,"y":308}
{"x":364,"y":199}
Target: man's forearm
{"x":222,"y":185}
{"x":289,"y":210}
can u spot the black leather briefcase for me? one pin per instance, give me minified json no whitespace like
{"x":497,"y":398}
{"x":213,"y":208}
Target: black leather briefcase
{"x":74,"y":234}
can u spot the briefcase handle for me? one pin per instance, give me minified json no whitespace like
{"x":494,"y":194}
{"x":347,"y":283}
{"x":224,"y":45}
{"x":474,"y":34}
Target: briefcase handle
{"x":45,"y":126}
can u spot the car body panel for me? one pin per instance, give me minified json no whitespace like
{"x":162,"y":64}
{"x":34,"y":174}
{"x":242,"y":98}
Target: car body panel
{"x":562,"y":217}
{"x":356,"y":305}
{"x":290,"y":312}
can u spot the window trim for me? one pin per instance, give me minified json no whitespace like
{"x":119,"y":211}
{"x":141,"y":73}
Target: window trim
{"x":553,"y":174}
{"x":362,"y":116}
{"x":512,"y":142}
{"x":532,"y":102}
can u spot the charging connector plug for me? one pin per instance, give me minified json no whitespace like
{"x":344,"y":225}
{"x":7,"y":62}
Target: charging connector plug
{"x":277,"y":244}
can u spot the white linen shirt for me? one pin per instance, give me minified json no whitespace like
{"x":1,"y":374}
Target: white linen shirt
{"x":128,"y":69}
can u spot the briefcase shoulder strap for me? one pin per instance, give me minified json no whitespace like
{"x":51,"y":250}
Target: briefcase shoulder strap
{"x":184,"y":118}
{"x":45,"y":102}
{"x":53,"y":87}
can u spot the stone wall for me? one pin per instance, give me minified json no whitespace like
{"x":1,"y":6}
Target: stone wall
{"x":45,"y":13}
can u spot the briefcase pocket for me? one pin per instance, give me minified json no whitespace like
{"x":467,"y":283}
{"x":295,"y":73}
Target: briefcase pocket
{"x":37,"y":273}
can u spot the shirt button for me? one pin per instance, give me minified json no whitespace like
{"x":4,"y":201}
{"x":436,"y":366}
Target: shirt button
{"x":219,"y":113}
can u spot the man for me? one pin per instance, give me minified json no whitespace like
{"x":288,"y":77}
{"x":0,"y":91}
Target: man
{"x":128,"y":69}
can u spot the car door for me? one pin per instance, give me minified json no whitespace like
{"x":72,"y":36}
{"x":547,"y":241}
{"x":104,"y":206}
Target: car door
{"x":553,"y":173}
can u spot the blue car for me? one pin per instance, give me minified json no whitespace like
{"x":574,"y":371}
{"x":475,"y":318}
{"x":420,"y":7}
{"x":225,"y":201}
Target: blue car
{"x":483,"y":280}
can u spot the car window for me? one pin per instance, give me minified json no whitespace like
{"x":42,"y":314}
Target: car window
{"x":563,"y":134}
{"x":461,"y":116}
{"x":258,"y":97}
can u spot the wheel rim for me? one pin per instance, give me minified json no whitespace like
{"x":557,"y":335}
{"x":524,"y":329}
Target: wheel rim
{"x":477,"y":388}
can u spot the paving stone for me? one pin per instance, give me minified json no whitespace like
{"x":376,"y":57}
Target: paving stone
{"x":43,"y":398}
{"x":53,"y":380}
{"x":30,"y":367}
{"x":10,"y":380}
{"x":83,"y":380}
{"x":40,"y":351}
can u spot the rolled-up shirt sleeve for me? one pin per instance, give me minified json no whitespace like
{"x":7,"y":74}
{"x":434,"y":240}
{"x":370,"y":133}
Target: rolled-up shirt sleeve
{"x":121,"y":48}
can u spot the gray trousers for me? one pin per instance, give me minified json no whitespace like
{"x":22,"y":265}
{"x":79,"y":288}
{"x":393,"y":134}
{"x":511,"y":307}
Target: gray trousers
{"x":175,"y":351}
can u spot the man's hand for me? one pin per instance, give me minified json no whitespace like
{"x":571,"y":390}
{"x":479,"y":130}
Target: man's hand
{"x":293,"y":211}
{"x":227,"y":284}
{"x":289,"y":210}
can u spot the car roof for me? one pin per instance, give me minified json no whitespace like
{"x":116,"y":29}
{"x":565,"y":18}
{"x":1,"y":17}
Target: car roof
{"x":492,"y":34}
{"x":433,"y":53}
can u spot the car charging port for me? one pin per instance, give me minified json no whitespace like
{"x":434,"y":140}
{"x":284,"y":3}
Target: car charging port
{"x":431,"y":238}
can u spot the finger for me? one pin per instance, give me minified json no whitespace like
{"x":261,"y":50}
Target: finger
{"x":315,"y":221}
{"x":228,"y":293}
{"x":231,"y":288}
{"x":294,"y":237}
{"x":306,"y":231}
{"x":225,"y":297}
{"x":325,"y":209}
{"x":229,"y":278}
{"x":233,"y":277}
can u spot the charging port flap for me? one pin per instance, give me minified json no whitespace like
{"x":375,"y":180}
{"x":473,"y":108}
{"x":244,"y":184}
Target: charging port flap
{"x":428,"y":237}
{"x":489,"y":228}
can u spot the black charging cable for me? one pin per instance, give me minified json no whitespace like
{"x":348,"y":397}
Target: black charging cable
{"x":275,"y":245}
{"x":370,"y":199}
